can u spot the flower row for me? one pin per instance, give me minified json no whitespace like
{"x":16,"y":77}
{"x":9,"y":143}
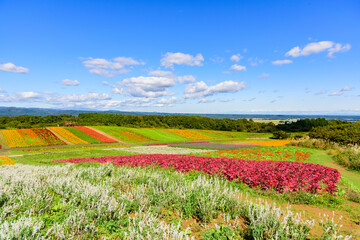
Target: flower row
{"x":279,"y":175}
{"x":5,"y":160}
{"x":67,"y":135}
{"x":95,"y":134}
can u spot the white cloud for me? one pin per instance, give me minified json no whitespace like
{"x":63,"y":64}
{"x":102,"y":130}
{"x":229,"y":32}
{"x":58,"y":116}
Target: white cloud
{"x":169,"y":59}
{"x":2,"y":90}
{"x":317,"y":47}
{"x":346,"y":88}
{"x":341,"y":91}
{"x":281,"y":62}
{"x":338,"y":48}
{"x":169,"y":101}
{"x":207,"y":100}
{"x":201,"y":89}
{"x":337,"y":93}
{"x":69,"y":82}
{"x":21,"y":97}
{"x":151,"y":87}
{"x":110,"y":68}
{"x":81,"y":97}
{"x":160,"y":73}
{"x":28,"y":94}
{"x":264,"y":75}
{"x":236,"y":57}
{"x":186,"y":79}
{"x":237,"y":67}
{"x":10,"y":67}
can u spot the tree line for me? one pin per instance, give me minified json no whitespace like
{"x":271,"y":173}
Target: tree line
{"x":163,"y":121}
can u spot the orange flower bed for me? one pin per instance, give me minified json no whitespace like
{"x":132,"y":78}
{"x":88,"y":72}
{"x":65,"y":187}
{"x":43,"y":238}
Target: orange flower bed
{"x":14,"y":139}
{"x":68,"y":135}
{"x":272,"y":143}
{"x":5,"y":160}
{"x":189,"y":134}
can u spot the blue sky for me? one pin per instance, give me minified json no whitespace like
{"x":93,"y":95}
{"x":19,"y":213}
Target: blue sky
{"x":181,"y":56}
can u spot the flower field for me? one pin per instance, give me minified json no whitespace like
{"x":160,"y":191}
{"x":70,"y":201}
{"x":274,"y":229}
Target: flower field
{"x":279,"y":175}
{"x":30,"y":138}
{"x":83,"y":136}
{"x":125,"y":135}
{"x":69,"y":136}
{"x":5,"y":160}
{"x":260,"y":155}
{"x":189,"y":134}
{"x":95,"y":134}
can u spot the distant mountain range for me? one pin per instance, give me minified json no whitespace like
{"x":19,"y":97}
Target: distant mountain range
{"x":15,"y":111}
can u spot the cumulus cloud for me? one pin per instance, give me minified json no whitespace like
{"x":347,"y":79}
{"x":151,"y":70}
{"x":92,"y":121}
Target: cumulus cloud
{"x":110,"y":68}
{"x":169,"y":59}
{"x":281,"y":62}
{"x":317,"y":47}
{"x":151,"y":87}
{"x":264,"y":75}
{"x":201,"y":89}
{"x":237,"y":67}
{"x":186,"y":79}
{"x":69,"y":82}
{"x":21,"y":97}
{"x":236,"y":57}
{"x":10,"y":67}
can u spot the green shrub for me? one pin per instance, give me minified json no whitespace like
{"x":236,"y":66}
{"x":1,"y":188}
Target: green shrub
{"x":280,"y":135}
{"x":349,"y":159}
{"x":220,"y":233}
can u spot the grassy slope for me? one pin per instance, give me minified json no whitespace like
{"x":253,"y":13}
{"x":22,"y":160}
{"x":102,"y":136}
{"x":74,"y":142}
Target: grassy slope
{"x":227,"y":135}
{"x":159,"y":135}
{"x":82,"y":135}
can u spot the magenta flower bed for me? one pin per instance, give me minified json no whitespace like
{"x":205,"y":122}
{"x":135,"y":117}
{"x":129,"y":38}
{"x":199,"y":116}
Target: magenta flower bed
{"x":279,"y":175}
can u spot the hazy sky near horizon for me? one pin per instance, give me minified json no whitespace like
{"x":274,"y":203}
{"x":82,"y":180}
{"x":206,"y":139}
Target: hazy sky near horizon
{"x":181,"y":56}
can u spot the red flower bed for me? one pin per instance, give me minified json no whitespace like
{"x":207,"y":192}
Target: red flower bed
{"x":95,"y":134}
{"x":279,"y":175}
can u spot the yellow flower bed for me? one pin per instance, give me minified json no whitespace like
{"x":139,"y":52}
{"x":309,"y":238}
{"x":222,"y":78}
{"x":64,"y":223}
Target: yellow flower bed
{"x":5,"y":160}
{"x":189,"y":134}
{"x":68,"y":135}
